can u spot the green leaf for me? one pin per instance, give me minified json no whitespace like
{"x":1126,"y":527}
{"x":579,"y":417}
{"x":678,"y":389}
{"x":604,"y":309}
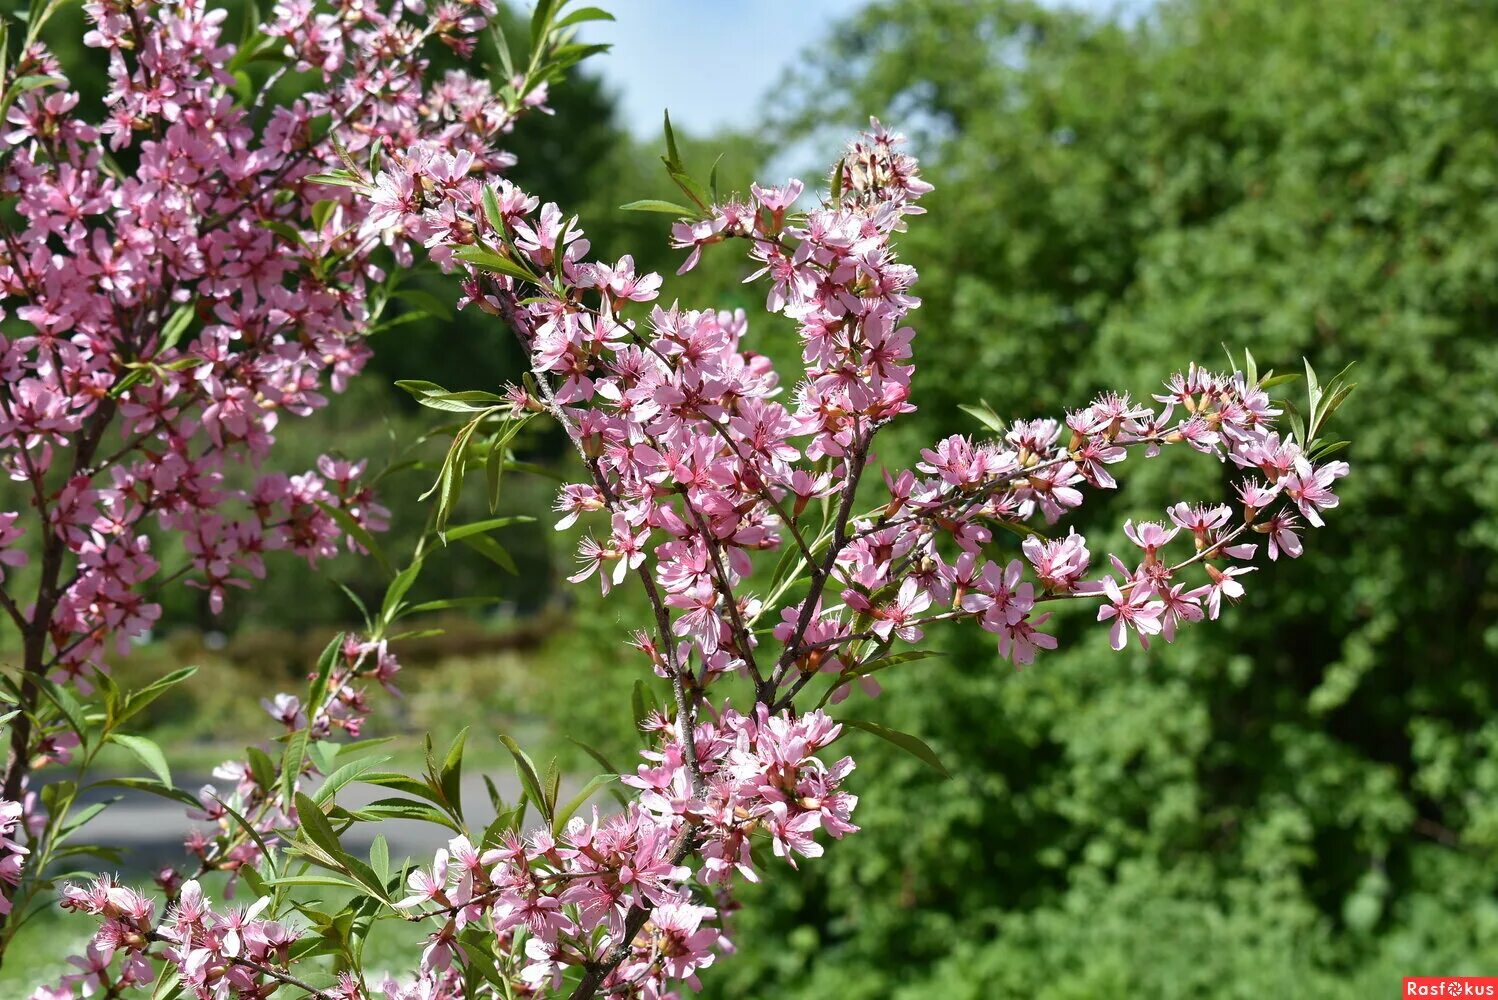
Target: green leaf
{"x":148,"y":753}
{"x":291,"y":763}
{"x":402,"y":783}
{"x":135,"y":701}
{"x":318,"y":879}
{"x":1326,"y":449}
{"x":656,"y":205}
{"x":379,"y":856}
{"x":529,"y":779}
{"x":325,"y":661}
{"x":433,"y":396}
{"x":284,"y":230}
{"x":691,"y":188}
{"x":176,"y":325}
{"x":337,"y":178}
{"x":712,"y":178}
{"x":384,"y":809}
{"x":168,"y":986}
{"x":78,"y":819}
{"x":596,"y":754}
{"x":315,"y":825}
{"x":491,"y":210}
{"x":72,"y":710}
{"x":262,"y":768}
{"x":985,"y":415}
{"x":836,"y":184}
{"x":366,"y":877}
{"x":153,"y":787}
{"x":426,"y":302}
{"x":22,"y":84}
{"x":577,"y":801}
{"x":494,"y":465}
{"x":463,"y":531}
{"x":321,"y":211}
{"x":493,"y":551}
{"x":390,"y":608}
{"x":641,"y":703}
{"x":343,"y":776}
{"x":453,"y":602}
{"x":912,"y":745}
{"x":895,"y":659}
{"x":541,"y":21}
{"x":450,"y":778}
{"x":248,"y":828}
{"x":360,"y":534}
{"x":673,"y":155}
{"x":583,"y":14}
{"x":502,"y":49}
{"x":488,"y":260}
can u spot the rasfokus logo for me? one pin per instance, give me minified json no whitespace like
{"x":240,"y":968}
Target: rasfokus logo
{"x":1451,"y":986}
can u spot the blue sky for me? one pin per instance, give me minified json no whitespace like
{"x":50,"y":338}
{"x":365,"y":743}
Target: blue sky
{"x":712,"y":62}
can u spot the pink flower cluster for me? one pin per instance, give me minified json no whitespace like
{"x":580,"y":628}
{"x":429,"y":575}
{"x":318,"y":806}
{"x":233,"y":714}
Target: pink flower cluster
{"x":560,"y":902}
{"x":217,"y":955}
{"x":1044,"y":468}
{"x":177,"y":312}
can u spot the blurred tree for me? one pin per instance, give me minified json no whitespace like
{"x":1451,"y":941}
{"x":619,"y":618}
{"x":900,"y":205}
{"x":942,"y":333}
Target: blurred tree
{"x":1303,"y":801}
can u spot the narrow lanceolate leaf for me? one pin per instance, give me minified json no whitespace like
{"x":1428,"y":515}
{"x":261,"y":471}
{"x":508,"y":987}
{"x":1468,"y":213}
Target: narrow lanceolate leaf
{"x":315,"y":826}
{"x":148,"y":753}
{"x":291,"y":763}
{"x":450,"y":778}
{"x":152,"y":786}
{"x":426,"y":302}
{"x":491,"y":210}
{"x":583,"y":14}
{"x":135,"y":701}
{"x":984,"y":414}
{"x":530,"y":780}
{"x":396,"y":592}
{"x":343,"y":776}
{"x":325,"y":662}
{"x":488,"y":260}
{"x":673,"y":155}
{"x":250,"y":831}
{"x":913,"y":745}
{"x":177,"y":325}
{"x":433,"y":396}
{"x":262,"y":768}
{"x":895,"y":659}
{"x":576,"y":802}
{"x":336,"y":179}
{"x":359,"y":533}
{"x":484,"y":527}
{"x":641,"y":703}
{"x":493,"y":551}
{"x":453,"y":602}
{"x":656,"y":205}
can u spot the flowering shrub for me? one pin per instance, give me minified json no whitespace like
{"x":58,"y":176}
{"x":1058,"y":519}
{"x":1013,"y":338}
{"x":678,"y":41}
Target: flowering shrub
{"x":184,"y":273}
{"x":769,"y":557}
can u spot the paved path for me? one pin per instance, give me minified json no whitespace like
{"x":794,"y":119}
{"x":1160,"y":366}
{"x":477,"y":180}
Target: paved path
{"x":150,"y":828}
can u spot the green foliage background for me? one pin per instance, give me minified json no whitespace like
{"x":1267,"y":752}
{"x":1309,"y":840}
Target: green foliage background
{"x":1301,"y":799}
